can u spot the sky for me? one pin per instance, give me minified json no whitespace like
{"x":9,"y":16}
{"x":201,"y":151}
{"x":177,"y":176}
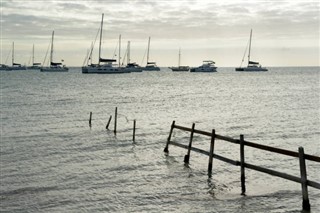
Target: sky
{"x":285,"y":33}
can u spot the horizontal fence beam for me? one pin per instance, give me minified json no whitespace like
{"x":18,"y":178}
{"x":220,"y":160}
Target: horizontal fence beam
{"x":251,"y":144}
{"x":250,"y":166}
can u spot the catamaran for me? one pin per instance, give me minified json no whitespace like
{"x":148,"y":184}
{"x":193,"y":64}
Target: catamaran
{"x":252,"y":65}
{"x":180,"y":68}
{"x":131,"y":66}
{"x":207,"y":66}
{"x":151,"y":66}
{"x":15,"y":66}
{"x":104,"y":66}
{"x":54,"y":66}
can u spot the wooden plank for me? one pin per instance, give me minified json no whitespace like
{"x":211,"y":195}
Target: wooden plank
{"x":242,"y":170}
{"x":226,"y":160}
{"x":313,"y":184}
{"x":166,"y":149}
{"x":213,"y":133}
{"x":187,"y":156}
{"x":273,"y":172}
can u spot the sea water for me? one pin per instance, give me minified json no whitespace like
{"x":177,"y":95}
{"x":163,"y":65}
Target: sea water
{"x":52,"y":161}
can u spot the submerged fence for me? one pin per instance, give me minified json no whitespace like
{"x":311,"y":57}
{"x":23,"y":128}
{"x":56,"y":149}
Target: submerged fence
{"x":243,"y":164}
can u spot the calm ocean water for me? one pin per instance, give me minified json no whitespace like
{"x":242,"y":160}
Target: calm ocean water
{"x":52,"y":161}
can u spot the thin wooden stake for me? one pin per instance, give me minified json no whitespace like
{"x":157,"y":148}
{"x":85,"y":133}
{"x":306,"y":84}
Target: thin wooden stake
{"x":134,"y":130}
{"x":115,"y":121}
{"x":243,"y":178}
{"x":187,"y":156}
{"x":303,"y":173}
{"x":213,"y":134}
{"x":166,"y":149}
{"x":90,"y":119}
{"x":107,"y":126}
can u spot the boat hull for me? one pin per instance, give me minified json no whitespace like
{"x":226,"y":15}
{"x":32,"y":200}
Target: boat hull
{"x":213,"y":69}
{"x":54,"y":69}
{"x":16,"y":68}
{"x":251,"y":69}
{"x":151,"y":69}
{"x":179,"y":69}
{"x":102,"y":70}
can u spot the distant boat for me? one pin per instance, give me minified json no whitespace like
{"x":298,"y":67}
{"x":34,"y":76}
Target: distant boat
{"x":34,"y":66}
{"x":151,"y":66}
{"x":180,"y":68}
{"x":54,"y":66}
{"x":131,"y":66}
{"x":252,"y":65}
{"x":104,"y":66}
{"x":15,"y":66}
{"x":3,"y":67}
{"x":207,"y":66}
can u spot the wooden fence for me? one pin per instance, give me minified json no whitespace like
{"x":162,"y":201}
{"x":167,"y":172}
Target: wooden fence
{"x":243,"y":164}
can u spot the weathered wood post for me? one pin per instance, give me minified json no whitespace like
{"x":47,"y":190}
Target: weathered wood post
{"x":134,"y":130}
{"x":107,"y":126}
{"x":90,"y":119}
{"x":166,"y":149}
{"x":115,"y":121}
{"x":303,"y":173}
{"x":213,"y":135}
{"x":187,"y":156}
{"x":243,"y":178}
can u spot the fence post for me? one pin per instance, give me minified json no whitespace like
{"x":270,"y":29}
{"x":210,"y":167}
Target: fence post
{"x":134,"y":130}
{"x":303,"y":173}
{"x":213,"y":135}
{"x":243,"y":179}
{"x":115,"y":121}
{"x":187,"y":156}
{"x":166,"y":149}
{"x":107,"y":126}
{"x":90,"y":119}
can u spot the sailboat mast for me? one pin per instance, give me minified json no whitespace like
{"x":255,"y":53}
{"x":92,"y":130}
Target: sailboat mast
{"x":179,"y":57}
{"x":100,"y":37}
{"x":148,"y":50}
{"x":32,"y":54}
{"x":249,"y":47}
{"x":51,"y":53}
{"x":119,"y":49}
{"x":12,"y":53}
{"x":128,"y":53}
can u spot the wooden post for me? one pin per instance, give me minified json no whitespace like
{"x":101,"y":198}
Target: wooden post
{"x":303,"y":173}
{"x":243,"y":179}
{"x":134,"y":130}
{"x":107,"y":126}
{"x":115,"y":121}
{"x":213,"y":134}
{"x":166,"y":149}
{"x":187,"y":156}
{"x":90,"y":119}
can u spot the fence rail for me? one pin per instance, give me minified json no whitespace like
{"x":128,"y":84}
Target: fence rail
{"x":243,"y":143}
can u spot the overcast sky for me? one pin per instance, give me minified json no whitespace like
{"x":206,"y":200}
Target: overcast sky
{"x":285,"y":33}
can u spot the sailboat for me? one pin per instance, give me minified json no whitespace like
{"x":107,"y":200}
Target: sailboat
{"x":131,"y":66}
{"x":54,"y":66}
{"x":15,"y":66}
{"x":104,"y":66}
{"x":180,"y":68}
{"x":252,"y":65}
{"x":34,"y":65}
{"x":151,"y":66}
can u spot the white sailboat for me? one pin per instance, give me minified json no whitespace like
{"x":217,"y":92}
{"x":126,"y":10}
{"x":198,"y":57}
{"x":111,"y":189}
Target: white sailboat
{"x":54,"y":66}
{"x":15,"y":66}
{"x":207,"y":66}
{"x":180,"y":68}
{"x":104,"y":66}
{"x":131,"y":66}
{"x":34,"y":65}
{"x":151,"y":66}
{"x":252,"y":65}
